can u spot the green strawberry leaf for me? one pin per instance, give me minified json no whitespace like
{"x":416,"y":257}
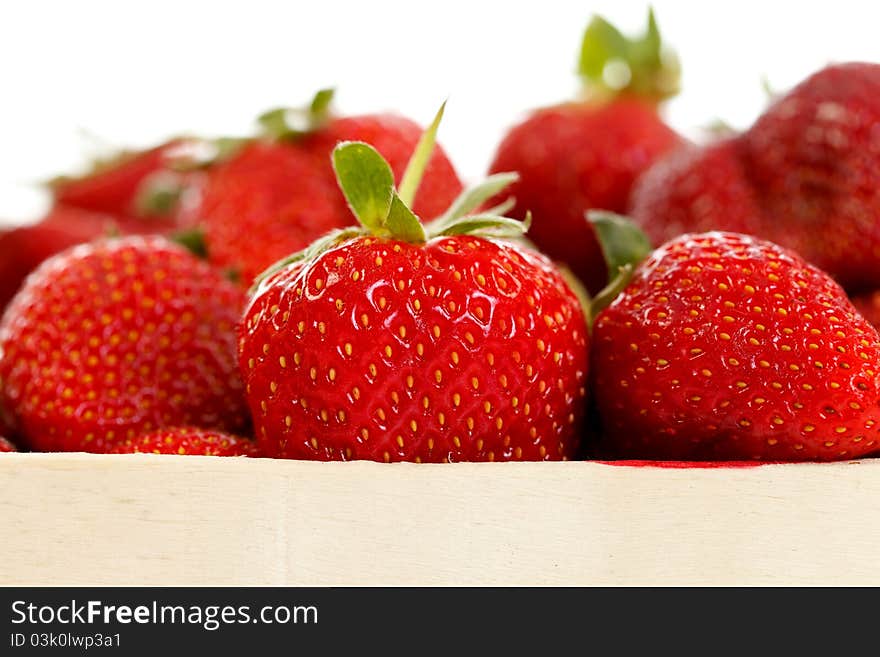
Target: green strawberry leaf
{"x":320,"y":105}
{"x":415,"y":168}
{"x":602,"y":43}
{"x":487,"y":225}
{"x":159,"y":194}
{"x":402,"y":223}
{"x":611,"y":63}
{"x":622,"y":242}
{"x":294,"y":122}
{"x":473,"y":197}
{"x":366,"y":181}
{"x":624,"y":246}
{"x":193,"y":240}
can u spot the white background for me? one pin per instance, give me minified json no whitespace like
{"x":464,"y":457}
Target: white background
{"x":78,"y":77}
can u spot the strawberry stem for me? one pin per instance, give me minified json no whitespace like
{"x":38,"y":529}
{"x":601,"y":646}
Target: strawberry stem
{"x":611,"y":63}
{"x":623,"y":246}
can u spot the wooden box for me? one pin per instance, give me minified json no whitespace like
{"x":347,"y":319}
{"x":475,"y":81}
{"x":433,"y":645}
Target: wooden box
{"x":78,"y":519}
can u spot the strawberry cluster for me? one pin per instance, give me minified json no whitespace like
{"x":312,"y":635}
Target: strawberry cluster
{"x":326,"y":289}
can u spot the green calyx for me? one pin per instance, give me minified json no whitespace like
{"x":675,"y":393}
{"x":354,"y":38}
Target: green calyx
{"x":624,"y":246}
{"x":611,"y":63}
{"x":384,"y":210}
{"x":295,"y":122}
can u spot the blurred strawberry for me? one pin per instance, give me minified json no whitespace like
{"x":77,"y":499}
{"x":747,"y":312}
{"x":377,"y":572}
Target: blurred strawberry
{"x":6,"y":446}
{"x":278,"y":193}
{"x":144,"y":184}
{"x":586,"y":154}
{"x":696,"y":189}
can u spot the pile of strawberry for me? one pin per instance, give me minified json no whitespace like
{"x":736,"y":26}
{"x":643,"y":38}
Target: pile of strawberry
{"x":326,"y":289}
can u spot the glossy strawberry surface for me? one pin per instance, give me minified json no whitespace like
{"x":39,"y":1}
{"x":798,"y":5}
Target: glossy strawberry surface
{"x":726,"y":347}
{"x":461,"y":349}
{"x":190,"y":441}
{"x":114,"y":338}
{"x":575,"y":157}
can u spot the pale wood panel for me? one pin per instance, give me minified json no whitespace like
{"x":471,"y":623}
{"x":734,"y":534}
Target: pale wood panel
{"x":79,"y":519}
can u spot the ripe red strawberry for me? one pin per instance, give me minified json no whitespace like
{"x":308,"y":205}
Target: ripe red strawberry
{"x":114,"y":338}
{"x":6,"y":446}
{"x":278,"y":194}
{"x":587,"y":154}
{"x":695,"y":190}
{"x":726,"y":347}
{"x":814,"y":159}
{"x":187,"y":441}
{"x":389,"y":343}
{"x":806,"y":175}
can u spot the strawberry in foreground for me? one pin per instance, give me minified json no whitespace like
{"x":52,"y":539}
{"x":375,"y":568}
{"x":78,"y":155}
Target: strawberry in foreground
{"x":111,"y":339}
{"x":806,"y":175}
{"x":276,"y":194}
{"x":587,"y":154}
{"x":726,"y":347}
{"x":396,"y":341}
{"x":6,"y":446}
{"x":189,"y":441}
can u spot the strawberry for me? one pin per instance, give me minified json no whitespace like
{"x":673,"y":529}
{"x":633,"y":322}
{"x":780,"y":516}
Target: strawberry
{"x":6,"y":446}
{"x":400,"y":342}
{"x":187,"y":441}
{"x":814,"y":160}
{"x":587,"y":154}
{"x":23,"y":249}
{"x":142,"y":184}
{"x":806,"y":175}
{"x":118,"y":337}
{"x":277,"y":193}
{"x":696,"y":189}
{"x":727,"y":347}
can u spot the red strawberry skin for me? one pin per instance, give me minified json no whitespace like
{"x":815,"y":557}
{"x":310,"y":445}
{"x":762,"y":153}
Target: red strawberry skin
{"x":274,"y":198}
{"x":118,"y":337}
{"x":190,"y":441}
{"x":6,"y":446}
{"x":694,"y":190}
{"x":814,"y":157}
{"x":461,"y":349}
{"x":726,"y":347}
{"x":806,"y":175}
{"x":578,"y":156}
{"x":268,"y":201}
